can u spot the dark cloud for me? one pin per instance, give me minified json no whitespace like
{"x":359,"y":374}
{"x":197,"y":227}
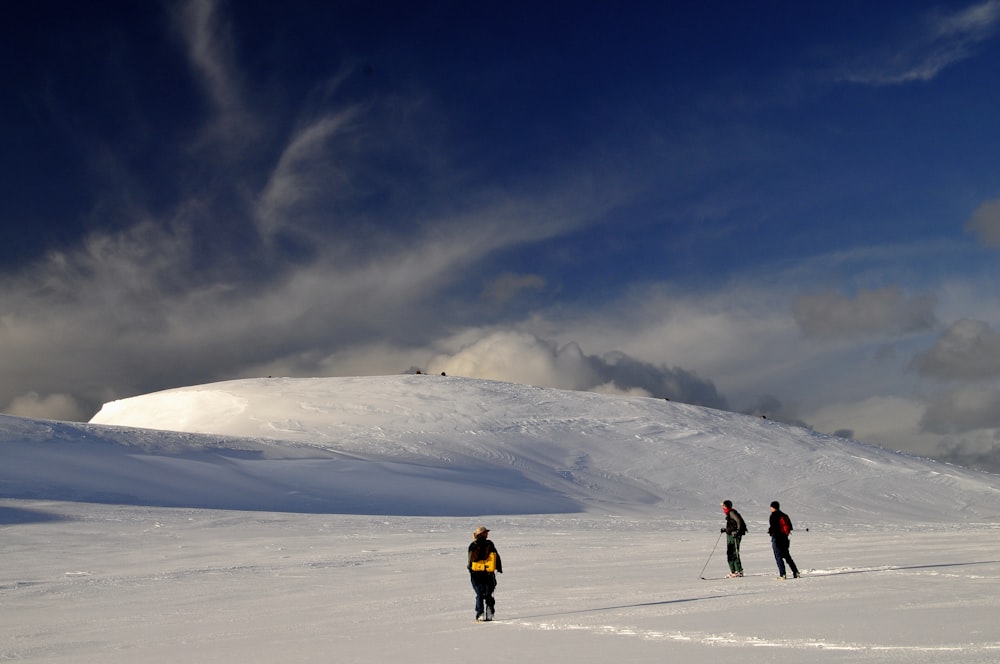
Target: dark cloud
{"x":964,"y":454}
{"x":627,"y":374}
{"x":878,"y":312}
{"x":772,"y":408}
{"x":968,"y":350}
{"x":962,"y":411}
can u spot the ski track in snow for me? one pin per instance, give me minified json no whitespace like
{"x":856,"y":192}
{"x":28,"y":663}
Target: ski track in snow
{"x":732,"y":639}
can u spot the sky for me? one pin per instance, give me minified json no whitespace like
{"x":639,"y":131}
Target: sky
{"x":787,"y":210}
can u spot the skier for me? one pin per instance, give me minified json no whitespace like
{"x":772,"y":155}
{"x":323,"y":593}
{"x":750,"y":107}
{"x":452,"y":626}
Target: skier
{"x":780,"y":528}
{"x":735,"y":529}
{"x":484,"y":565}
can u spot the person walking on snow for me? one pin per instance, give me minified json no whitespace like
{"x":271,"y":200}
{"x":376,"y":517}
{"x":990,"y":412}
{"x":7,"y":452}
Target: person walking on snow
{"x":484,"y":565}
{"x":780,"y":528}
{"x":735,"y":529}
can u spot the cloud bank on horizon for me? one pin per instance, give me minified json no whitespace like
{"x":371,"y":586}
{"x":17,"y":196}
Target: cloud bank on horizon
{"x":768,"y":211}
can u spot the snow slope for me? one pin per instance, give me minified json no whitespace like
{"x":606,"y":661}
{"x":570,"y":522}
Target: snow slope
{"x":300,"y":520}
{"x":530,"y":450}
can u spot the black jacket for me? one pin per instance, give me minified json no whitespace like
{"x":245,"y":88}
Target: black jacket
{"x":775,"y":530}
{"x":735,"y":525}
{"x":480,"y":549}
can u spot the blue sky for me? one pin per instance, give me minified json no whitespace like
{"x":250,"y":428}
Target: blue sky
{"x":789,"y":210}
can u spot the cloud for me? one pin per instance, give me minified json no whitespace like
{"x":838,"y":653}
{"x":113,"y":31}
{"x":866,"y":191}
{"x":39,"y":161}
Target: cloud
{"x":149,"y":307}
{"x":210,"y":47}
{"x":921,"y":51}
{"x":972,"y":453}
{"x":52,"y":406}
{"x":968,"y":350}
{"x":985,"y":223}
{"x":882,"y":311}
{"x":890,"y":421}
{"x":508,"y":285}
{"x":962,"y":411}
{"x":769,"y":406}
{"x":304,"y":174}
{"x":526,"y":358}
{"x":304,"y":253}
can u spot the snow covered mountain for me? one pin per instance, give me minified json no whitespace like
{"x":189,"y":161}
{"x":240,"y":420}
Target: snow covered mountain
{"x":423,"y":445}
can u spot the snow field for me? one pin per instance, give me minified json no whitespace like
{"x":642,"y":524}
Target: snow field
{"x":126,"y":584}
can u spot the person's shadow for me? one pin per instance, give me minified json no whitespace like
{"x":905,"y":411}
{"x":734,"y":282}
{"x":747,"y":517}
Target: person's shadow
{"x":614,"y":608}
{"x":896,"y":568}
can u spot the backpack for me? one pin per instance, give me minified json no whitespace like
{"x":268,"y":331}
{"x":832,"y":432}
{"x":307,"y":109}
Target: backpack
{"x":785,"y":524}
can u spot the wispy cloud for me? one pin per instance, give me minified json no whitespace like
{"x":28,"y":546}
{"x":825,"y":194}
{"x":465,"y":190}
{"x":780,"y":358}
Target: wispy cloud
{"x":921,"y":51}
{"x":305,"y":173}
{"x":210,"y":47}
{"x":882,"y":311}
{"x":985,"y":223}
{"x":508,"y":285}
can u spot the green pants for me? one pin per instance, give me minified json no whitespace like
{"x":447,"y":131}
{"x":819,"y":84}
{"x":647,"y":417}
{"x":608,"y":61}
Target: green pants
{"x":733,"y":552}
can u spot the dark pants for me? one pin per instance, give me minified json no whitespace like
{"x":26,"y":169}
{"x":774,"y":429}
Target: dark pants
{"x":484,"y":583}
{"x":733,"y":552}
{"x":780,"y":547}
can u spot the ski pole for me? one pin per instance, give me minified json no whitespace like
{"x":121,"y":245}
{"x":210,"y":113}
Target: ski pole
{"x":717,"y":540}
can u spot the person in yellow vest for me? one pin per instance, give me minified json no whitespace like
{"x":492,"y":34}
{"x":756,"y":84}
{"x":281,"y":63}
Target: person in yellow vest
{"x":484,"y":565}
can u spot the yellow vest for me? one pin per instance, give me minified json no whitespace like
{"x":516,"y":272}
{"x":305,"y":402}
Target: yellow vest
{"x":488,"y":565}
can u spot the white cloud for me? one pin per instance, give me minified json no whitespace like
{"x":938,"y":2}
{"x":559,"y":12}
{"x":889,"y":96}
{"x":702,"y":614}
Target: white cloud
{"x":525,"y":358}
{"x":135,"y":310}
{"x":741,"y":335}
{"x":976,"y":22}
{"x":210,"y":46}
{"x":305,"y":173}
{"x":522,"y":358}
{"x":921,"y":52}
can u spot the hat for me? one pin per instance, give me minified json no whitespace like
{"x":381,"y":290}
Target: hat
{"x":775,"y":505}
{"x":481,"y":530}
{"x":727,"y":503}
